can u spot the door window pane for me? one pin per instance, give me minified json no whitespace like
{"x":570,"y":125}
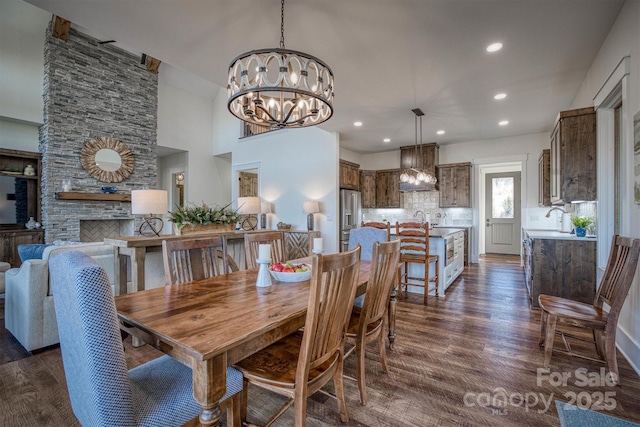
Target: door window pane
{"x":502,"y":202}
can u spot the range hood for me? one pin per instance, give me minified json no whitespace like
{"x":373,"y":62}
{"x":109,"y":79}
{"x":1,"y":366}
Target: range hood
{"x":419,"y":163}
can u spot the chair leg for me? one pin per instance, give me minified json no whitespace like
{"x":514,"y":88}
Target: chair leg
{"x":610,"y":350}
{"x":426,"y":282}
{"x":598,"y":339}
{"x":338,"y":382}
{"x":360,"y":354}
{"x":234,"y":418}
{"x":437,"y":276}
{"x":543,"y":323}
{"x":245,"y":398}
{"x":383,"y":351}
{"x":548,"y":340}
{"x":400,"y":280}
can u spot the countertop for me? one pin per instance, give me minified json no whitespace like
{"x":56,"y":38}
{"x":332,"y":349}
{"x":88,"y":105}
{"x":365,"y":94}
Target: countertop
{"x":553,"y":234}
{"x":438,"y":232}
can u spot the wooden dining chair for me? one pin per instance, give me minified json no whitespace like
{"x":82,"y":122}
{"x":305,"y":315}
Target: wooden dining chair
{"x":101,"y":390}
{"x":186,"y":260}
{"x":300,"y":364}
{"x":613,"y":289}
{"x":414,"y":249}
{"x":379,"y":225}
{"x":252,"y":241}
{"x":369,"y":323}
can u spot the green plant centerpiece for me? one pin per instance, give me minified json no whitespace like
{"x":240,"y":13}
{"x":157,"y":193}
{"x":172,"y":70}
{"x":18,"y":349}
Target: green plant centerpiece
{"x":202,"y":218}
{"x":581,"y":223}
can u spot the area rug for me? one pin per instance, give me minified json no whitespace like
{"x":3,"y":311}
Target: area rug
{"x":573,"y":416}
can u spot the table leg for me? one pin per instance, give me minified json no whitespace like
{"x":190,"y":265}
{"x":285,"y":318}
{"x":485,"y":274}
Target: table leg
{"x":120,"y":271}
{"x":137,"y":269}
{"x":393,"y":301}
{"x":209,"y":385}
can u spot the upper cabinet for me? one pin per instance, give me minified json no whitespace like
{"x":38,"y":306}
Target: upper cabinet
{"x":368,"y":188}
{"x":455,"y":185}
{"x":544,"y":172}
{"x":424,"y":157}
{"x":349,"y":175}
{"x":387,"y":189}
{"x":573,"y":156}
{"x":24,"y":169}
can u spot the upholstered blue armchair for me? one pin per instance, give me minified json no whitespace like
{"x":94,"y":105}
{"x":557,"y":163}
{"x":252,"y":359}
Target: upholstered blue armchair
{"x":102,"y":392}
{"x":365,"y":236}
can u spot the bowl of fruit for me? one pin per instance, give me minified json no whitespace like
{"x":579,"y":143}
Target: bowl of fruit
{"x":290,"y":271}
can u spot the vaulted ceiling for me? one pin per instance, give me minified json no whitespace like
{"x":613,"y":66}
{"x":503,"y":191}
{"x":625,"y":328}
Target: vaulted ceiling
{"x":388,"y":56}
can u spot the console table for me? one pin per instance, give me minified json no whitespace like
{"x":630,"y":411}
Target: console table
{"x":298,"y":244}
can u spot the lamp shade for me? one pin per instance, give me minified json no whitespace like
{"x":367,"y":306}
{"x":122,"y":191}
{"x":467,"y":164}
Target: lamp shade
{"x":265,"y":207}
{"x":310,"y":207}
{"x":145,"y":202}
{"x":249,"y":205}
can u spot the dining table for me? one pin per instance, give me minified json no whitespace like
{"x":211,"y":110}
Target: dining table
{"x":212,"y":323}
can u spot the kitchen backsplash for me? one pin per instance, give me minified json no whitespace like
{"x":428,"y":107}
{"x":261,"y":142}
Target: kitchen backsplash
{"x":428,"y":203}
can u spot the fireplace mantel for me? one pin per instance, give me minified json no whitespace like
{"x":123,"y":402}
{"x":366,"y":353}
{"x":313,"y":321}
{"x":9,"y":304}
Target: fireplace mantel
{"x":77,"y":195}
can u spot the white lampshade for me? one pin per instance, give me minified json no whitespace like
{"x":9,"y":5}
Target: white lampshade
{"x":310,"y":207}
{"x":145,"y":202}
{"x":249,"y":205}
{"x":265,"y":207}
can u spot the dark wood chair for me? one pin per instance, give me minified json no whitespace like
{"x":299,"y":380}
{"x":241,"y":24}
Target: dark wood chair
{"x":613,"y":289}
{"x":414,"y":248}
{"x":380,"y":225}
{"x":369,"y":323}
{"x":193,"y":259}
{"x":300,"y":364}
{"x":252,"y":241}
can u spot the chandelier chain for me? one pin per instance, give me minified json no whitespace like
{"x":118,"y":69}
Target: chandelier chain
{"x":282,"y":24}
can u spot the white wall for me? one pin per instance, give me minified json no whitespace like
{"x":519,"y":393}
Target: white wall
{"x":623,"y":40}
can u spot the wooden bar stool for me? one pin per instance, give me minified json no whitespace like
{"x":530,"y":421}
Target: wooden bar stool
{"x":414,"y":249}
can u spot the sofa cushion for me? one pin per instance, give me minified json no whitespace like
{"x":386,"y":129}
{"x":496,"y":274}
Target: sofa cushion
{"x":31,"y":251}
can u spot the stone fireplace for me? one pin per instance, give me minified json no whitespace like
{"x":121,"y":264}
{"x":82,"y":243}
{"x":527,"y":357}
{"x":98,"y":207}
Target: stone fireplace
{"x":93,"y":90}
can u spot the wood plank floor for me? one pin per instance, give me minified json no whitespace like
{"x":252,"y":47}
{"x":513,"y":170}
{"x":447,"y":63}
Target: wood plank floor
{"x":455,"y":362}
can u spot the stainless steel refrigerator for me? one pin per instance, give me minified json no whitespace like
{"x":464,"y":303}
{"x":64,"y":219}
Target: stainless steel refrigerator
{"x":350,"y":215}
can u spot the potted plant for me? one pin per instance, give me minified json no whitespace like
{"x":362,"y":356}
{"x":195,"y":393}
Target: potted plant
{"x":581,"y":223}
{"x":193,"y":218}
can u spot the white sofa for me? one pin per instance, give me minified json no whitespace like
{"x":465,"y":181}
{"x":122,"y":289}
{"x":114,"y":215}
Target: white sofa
{"x":29,"y":311}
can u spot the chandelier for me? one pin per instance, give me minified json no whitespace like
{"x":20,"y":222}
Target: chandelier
{"x":417,"y":175}
{"x":280,"y":88}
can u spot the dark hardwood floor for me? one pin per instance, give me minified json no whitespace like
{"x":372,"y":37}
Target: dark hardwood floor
{"x":470,"y":358}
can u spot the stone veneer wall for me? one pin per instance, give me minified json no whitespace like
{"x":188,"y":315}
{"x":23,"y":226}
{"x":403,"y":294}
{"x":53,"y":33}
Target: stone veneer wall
{"x":93,"y":90}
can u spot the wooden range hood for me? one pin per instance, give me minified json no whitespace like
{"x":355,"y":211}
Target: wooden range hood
{"x":409,"y":156}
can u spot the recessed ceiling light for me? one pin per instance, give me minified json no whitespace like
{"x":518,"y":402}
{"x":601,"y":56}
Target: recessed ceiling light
{"x":357,"y":124}
{"x":386,"y":140}
{"x":494,"y":47}
{"x":500,"y":96}
{"x":503,"y":122}
{"x":440,"y":132}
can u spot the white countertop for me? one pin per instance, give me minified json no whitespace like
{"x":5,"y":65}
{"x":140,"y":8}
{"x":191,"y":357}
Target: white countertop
{"x":553,"y":234}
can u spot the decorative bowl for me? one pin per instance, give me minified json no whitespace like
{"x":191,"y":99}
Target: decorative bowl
{"x":109,"y":190}
{"x":282,"y":276}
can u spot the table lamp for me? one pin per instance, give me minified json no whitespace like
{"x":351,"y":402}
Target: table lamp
{"x":150,"y":203}
{"x":265,"y":208}
{"x":310,"y":208}
{"x":250,"y":207}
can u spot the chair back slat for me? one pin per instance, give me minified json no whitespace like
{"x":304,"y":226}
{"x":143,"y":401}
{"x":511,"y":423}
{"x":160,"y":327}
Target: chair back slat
{"x":619,"y":274}
{"x":252,"y":242}
{"x":194,"y":259}
{"x":333,"y":287}
{"x":382,"y":279}
{"x":414,"y":238}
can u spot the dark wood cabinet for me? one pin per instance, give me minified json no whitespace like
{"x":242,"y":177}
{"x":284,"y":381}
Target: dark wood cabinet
{"x":349,"y":175}
{"x":560,"y":267}
{"x":387,"y":188}
{"x":573,"y":157}
{"x":544,"y":178}
{"x":368,"y":188}
{"x":11,"y":239}
{"x":455,"y":185}
{"x":27,"y":194}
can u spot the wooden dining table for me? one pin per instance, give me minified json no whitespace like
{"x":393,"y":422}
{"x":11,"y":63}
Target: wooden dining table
{"x":212,"y":323}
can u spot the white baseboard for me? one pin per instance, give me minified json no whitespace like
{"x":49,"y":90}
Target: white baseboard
{"x":629,"y":349}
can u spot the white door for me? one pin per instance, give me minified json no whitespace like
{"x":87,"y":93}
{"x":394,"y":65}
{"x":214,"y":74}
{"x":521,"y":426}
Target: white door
{"x":502,"y":213}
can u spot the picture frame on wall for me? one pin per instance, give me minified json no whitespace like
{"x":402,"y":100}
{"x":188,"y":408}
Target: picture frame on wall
{"x":636,"y":157}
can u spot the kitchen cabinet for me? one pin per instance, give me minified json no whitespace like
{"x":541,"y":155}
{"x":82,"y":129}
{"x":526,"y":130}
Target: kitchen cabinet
{"x":10,"y":239}
{"x":559,"y":267}
{"x":573,"y":156}
{"x":349,"y":175}
{"x":425,"y":157}
{"x":387,"y":188}
{"x":455,"y":185}
{"x":368,"y":188}
{"x":544,"y":178}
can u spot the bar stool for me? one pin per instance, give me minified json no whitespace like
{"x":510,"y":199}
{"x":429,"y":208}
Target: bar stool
{"x":414,"y":249}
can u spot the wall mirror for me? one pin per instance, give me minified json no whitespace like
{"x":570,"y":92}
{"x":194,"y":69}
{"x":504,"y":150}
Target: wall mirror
{"x":107,"y":159}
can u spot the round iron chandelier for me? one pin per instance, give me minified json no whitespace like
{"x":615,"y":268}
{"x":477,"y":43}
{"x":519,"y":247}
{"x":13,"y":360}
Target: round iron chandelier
{"x":280,"y":88}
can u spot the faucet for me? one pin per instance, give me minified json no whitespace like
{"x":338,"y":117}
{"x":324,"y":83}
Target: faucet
{"x":554,"y":209}
{"x":418,"y":212}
